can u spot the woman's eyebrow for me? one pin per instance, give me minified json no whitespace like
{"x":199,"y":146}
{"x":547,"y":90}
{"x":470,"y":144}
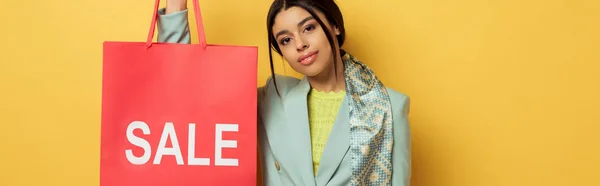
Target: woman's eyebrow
{"x":299,"y":25}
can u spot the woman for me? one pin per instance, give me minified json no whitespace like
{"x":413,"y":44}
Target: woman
{"x":338,"y":125}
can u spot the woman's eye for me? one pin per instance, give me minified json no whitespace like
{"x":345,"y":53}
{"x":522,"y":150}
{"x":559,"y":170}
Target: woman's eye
{"x":284,"y":41}
{"x":309,"y":28}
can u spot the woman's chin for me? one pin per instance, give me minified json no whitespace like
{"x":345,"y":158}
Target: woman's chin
{"x":311,"y":70}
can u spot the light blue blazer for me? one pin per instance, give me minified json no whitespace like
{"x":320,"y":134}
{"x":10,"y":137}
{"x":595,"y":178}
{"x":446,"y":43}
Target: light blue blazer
{"x":283,"y":130}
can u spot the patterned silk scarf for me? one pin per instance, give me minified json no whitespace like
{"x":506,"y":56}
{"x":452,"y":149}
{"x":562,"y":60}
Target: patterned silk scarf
{"x":371,"y":134}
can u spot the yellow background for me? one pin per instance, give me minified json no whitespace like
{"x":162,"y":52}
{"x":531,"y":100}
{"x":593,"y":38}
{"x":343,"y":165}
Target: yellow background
{"x":504,"y":93}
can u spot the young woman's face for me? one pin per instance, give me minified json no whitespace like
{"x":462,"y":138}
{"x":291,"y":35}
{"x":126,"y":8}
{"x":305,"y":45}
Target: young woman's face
{"x":303,"y":42}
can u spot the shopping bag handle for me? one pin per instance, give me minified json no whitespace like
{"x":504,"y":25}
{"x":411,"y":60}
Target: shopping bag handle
{"x":199,"y":25}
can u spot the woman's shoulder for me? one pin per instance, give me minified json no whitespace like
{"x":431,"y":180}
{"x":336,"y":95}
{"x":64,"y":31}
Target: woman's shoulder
{"x":284,"y":85}
{"x":399,"y":100}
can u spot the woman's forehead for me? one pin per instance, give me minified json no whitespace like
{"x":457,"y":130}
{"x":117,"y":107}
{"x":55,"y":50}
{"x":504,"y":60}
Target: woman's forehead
{"x":291,"y":17}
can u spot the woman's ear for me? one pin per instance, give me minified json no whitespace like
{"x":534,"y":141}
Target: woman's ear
{"x":336,"y":30}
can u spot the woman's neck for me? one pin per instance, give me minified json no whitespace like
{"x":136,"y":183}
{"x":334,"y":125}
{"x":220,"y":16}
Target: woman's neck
{"x":329,"y":80}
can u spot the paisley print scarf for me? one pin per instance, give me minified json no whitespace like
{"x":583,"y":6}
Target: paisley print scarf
{"x":371,"y":134}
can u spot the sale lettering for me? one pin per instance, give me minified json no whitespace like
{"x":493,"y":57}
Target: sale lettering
{"x":168,"y":133}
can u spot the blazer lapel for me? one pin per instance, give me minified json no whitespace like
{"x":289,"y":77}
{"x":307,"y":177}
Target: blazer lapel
{"x":298,"y":132}
{"x":337,"y":145}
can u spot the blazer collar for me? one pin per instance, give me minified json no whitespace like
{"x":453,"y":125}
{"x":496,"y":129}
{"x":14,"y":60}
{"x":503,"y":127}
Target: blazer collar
{"x":296,"y":119}
{"x":338,"y":144}
{"x":298,"y":149}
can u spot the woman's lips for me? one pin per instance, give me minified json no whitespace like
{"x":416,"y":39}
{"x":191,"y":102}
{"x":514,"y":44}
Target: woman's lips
{"x":308,"y":58}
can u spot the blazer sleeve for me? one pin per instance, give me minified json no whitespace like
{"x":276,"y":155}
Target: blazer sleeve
{"x":401,"y":160}
{"x":173,"y":27}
